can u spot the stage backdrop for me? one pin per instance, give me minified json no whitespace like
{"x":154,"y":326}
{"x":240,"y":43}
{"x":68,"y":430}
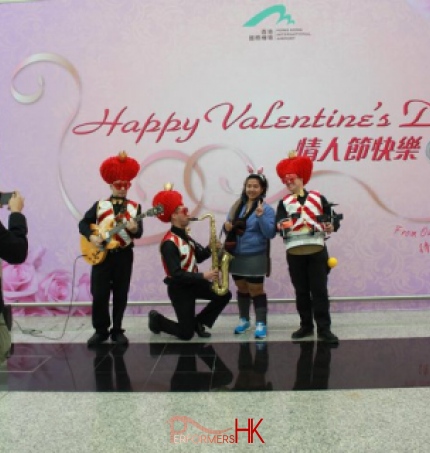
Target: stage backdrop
{"x":195,"y":90}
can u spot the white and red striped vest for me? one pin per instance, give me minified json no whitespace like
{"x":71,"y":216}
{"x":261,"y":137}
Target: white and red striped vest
{"x":308,"y":212}
{"x":186,"y":252}
{"x":105,"y":213}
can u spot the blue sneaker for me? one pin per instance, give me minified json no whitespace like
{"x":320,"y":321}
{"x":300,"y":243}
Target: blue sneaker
{"x":260,"y":330}
{"x":243,"y":326}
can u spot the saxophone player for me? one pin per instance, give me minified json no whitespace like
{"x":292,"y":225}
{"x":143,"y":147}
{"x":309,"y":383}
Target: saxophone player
{"x":180,"y":255}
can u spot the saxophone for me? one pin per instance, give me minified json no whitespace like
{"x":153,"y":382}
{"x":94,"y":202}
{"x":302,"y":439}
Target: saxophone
{"x":220,"y":261}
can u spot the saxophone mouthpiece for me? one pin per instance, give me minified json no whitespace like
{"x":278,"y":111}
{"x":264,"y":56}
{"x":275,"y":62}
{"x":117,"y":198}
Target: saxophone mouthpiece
{"x":193,"y":219}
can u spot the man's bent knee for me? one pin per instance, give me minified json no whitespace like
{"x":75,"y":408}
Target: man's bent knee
{"x":186,"y":335}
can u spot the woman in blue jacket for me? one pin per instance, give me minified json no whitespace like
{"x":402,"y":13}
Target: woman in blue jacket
{"x":250,"y":225}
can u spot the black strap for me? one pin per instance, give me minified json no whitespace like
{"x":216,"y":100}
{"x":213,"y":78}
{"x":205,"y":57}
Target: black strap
{"x":240,"y":207}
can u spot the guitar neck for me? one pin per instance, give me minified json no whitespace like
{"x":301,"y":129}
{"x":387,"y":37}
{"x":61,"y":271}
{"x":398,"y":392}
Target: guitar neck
{"x":151,"y":212}
{"x":117,"y":228}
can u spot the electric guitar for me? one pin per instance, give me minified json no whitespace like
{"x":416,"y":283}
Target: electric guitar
{"x":106,"y":231}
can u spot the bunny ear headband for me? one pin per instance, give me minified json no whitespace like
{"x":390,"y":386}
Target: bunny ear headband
{"x":252,"y":171}
{"x":258,"y":172}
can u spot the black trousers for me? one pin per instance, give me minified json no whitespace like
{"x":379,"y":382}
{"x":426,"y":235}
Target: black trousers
{"x":309,"y":277}
{"x":112,"y":275}
{"x":183,"y":298}
{"x":1,"y":296}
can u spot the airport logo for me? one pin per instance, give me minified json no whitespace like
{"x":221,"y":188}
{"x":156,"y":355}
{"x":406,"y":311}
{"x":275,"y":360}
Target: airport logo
{"x":277,"y":10}
{"x":274,"y":23}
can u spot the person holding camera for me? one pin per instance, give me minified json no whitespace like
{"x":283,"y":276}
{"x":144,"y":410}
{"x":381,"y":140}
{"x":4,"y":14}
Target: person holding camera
{"x":13,"y":242}
{"x":249,"y":227}
{"x":305,"y":219}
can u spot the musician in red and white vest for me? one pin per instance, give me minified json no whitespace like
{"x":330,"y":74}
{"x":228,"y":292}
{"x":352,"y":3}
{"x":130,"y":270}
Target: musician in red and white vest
{"x":305,"y":219}
{"x":180,"y":255}
{"x":114,"y":273}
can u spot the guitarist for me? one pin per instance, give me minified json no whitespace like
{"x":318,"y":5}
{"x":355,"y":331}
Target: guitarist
{"x":114,"y":272}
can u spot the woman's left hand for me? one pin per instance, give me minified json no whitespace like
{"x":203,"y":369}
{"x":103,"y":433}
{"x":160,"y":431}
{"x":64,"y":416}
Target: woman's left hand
{"x":259,"y":209}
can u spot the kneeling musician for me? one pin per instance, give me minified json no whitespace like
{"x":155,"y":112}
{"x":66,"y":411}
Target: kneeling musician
{"x":185,"y":284}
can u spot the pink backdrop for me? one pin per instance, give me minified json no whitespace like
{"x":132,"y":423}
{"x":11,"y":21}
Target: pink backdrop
{"x":195,"y":92}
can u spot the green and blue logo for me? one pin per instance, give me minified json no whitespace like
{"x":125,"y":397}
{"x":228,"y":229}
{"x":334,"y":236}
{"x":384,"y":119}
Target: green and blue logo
{"x":278,"y":10}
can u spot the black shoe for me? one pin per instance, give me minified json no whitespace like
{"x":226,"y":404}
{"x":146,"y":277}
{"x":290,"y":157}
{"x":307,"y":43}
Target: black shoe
{"x":97,"y":338}
{"x":328,"y":337}
{"x":302,"y":333}
{"x":7,"y":315}
{"x":154,"y":321}
{"x":200,"y":330}
{"x":118,"y":338}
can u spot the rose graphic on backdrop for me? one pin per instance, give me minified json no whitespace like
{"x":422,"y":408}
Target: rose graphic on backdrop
{"x":55,"y":287}
{"x":83,"y":292}
{"x":20,"y":281}
{"x":28,"y":283}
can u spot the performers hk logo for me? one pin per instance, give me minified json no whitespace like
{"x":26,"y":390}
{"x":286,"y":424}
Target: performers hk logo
{"x":285,"y":25}
{"x":180,"y":434}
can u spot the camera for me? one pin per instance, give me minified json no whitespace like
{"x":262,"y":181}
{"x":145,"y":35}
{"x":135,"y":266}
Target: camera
{"x":5,"y":197}
{"x":326,"y":218}
{"x":333,"y":217}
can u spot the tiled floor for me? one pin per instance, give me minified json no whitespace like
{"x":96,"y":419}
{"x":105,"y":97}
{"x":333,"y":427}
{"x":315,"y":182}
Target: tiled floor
{"x":368,"y":394}
{"x":202,"y":367}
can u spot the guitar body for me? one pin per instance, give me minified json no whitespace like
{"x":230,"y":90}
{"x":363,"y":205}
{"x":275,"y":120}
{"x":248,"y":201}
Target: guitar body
{"x":106,"y":230}
{"x":95,"y":255}
{"x":102,"y":230}
{"x":92,"y":254}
